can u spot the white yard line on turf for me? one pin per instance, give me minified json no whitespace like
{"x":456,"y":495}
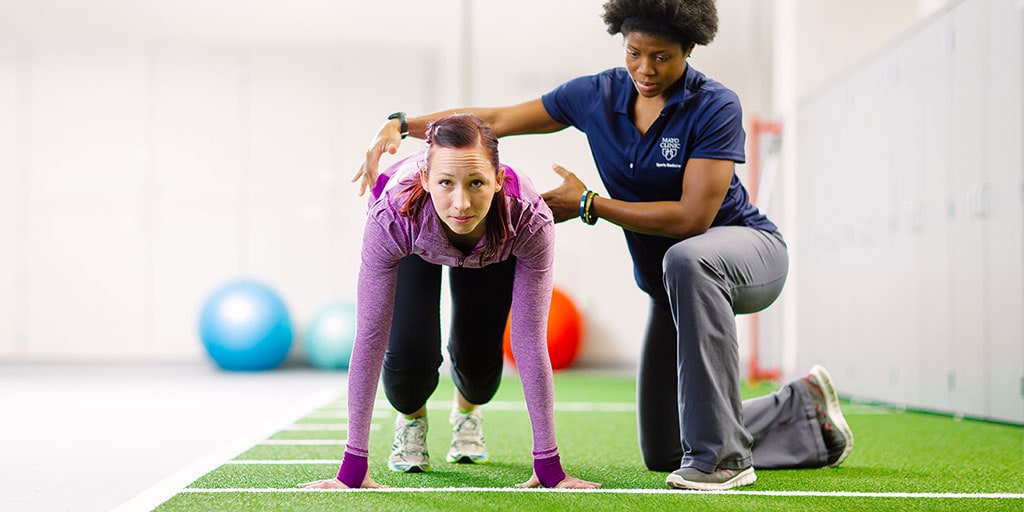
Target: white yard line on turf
{"x":515,"y":406}
{"x":292,"y":461}
{"x":812,"y":494}
{"x":384,"y":408}
{"x":163,"y":491}
{"x":302,"y":442}
{"x":315,"y":426}
{"x":381,"y":408}
{"x":321,"y":426}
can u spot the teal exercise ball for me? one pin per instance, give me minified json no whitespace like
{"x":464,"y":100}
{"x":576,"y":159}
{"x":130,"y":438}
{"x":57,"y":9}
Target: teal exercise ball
{"x":330,"y":336}
{"x":245,"y":326}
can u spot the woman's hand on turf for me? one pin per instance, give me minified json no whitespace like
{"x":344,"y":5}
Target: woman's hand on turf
{"x":388,"y":139}
{"x":569,"y":482}
{"x":334,"y":483}
{"x":564,"y":200}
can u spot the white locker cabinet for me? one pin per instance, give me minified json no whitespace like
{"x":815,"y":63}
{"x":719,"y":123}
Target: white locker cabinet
{"x":968,"y":158}
{"x":917,"y":154}
{"x":1004,"y":207}
{"x":934,"y":335}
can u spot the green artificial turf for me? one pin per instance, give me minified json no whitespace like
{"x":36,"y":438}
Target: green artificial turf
{"x":895,"y":452}
{"x":564,"y":502}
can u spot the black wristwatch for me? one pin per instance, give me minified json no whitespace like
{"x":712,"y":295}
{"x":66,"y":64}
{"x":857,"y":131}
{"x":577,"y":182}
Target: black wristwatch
{"x":401,"y":120}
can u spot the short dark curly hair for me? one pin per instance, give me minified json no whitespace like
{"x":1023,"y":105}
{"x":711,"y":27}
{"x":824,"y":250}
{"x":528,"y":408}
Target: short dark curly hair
{"x":687,"y":21}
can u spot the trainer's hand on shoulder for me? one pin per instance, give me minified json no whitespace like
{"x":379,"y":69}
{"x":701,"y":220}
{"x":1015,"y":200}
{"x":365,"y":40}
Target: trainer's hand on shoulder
{"x":569,"y":482}
{"x":334,"y":483}
{"x":564,"y":200}
{"x":387,"y":140}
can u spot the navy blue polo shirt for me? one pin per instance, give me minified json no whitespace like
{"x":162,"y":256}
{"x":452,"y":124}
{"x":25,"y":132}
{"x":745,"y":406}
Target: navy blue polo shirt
{"x":702,"y":119}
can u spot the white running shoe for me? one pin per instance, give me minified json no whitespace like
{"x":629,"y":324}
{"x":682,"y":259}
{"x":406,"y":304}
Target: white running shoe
{"x":467,"y":438}
{"x":409,"y":450}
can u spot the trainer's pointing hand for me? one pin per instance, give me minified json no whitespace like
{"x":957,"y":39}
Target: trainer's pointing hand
{"x":564,"y":200}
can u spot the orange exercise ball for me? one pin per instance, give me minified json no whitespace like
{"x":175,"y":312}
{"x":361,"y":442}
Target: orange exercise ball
{"x":565,"y":332}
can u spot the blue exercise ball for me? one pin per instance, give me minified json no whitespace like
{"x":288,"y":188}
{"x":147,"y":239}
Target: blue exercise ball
{"x":330,"y":336}
{"x":245,"y":326}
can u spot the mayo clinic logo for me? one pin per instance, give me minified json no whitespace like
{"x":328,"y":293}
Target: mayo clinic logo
{"x":669,"y":147}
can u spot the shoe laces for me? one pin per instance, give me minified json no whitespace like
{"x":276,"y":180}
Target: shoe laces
{"x":468,"y":428}
{"x":413,"y":436}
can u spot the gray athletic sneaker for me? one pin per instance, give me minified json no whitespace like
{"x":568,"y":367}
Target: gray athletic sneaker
{"x":721,"y":479}
{"x":409,"y":450}
{"x":834,"y":429}
{"x":467,"y":438}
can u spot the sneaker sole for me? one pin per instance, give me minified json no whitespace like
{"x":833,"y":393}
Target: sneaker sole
{"x":745,"y":477}
{"x":467,"y":459}
{"x":410,"y":469}
{"x":832,"y":410}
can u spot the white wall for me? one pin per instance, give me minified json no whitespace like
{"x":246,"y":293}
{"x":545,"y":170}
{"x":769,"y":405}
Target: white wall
{"x":150,"y":150}
{"x":153,"y":151}
{"x":155,"y":174}
{"x":10,"y":209}
{"x":836,"y":35}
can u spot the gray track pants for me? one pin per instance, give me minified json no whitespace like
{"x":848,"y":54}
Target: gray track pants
{"x":709,"y":279}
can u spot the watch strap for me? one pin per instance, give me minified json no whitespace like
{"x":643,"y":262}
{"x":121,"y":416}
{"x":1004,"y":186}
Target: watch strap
{"x":401,"y":121}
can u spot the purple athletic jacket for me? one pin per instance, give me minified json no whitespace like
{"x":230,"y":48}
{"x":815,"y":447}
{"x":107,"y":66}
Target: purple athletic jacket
{"x":389,"y":237}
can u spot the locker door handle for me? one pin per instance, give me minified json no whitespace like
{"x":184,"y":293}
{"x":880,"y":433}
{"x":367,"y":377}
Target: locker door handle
{"x":979,"y":201}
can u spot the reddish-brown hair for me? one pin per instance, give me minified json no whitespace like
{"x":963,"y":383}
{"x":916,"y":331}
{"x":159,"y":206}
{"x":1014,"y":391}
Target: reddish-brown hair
{"x":460,"y":131}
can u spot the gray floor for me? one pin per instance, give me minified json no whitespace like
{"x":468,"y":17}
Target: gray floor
{"x":93,"y":437}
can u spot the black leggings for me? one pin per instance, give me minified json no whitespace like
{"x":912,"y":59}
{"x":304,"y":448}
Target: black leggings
{"x":481,"y":299}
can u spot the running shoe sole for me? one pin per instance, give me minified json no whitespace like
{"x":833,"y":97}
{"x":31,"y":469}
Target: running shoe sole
{"x":409,"y":469}
{"x":832,"y":410}
{"x":457,"y":458}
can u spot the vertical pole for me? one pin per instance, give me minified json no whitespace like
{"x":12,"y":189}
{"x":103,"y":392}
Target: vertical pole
{"x":758,"y":129}
{"x":22,"y":328}
{"x":785,"y":83}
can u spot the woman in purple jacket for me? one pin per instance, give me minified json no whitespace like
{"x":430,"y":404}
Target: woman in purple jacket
{"x":452,"y":205}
